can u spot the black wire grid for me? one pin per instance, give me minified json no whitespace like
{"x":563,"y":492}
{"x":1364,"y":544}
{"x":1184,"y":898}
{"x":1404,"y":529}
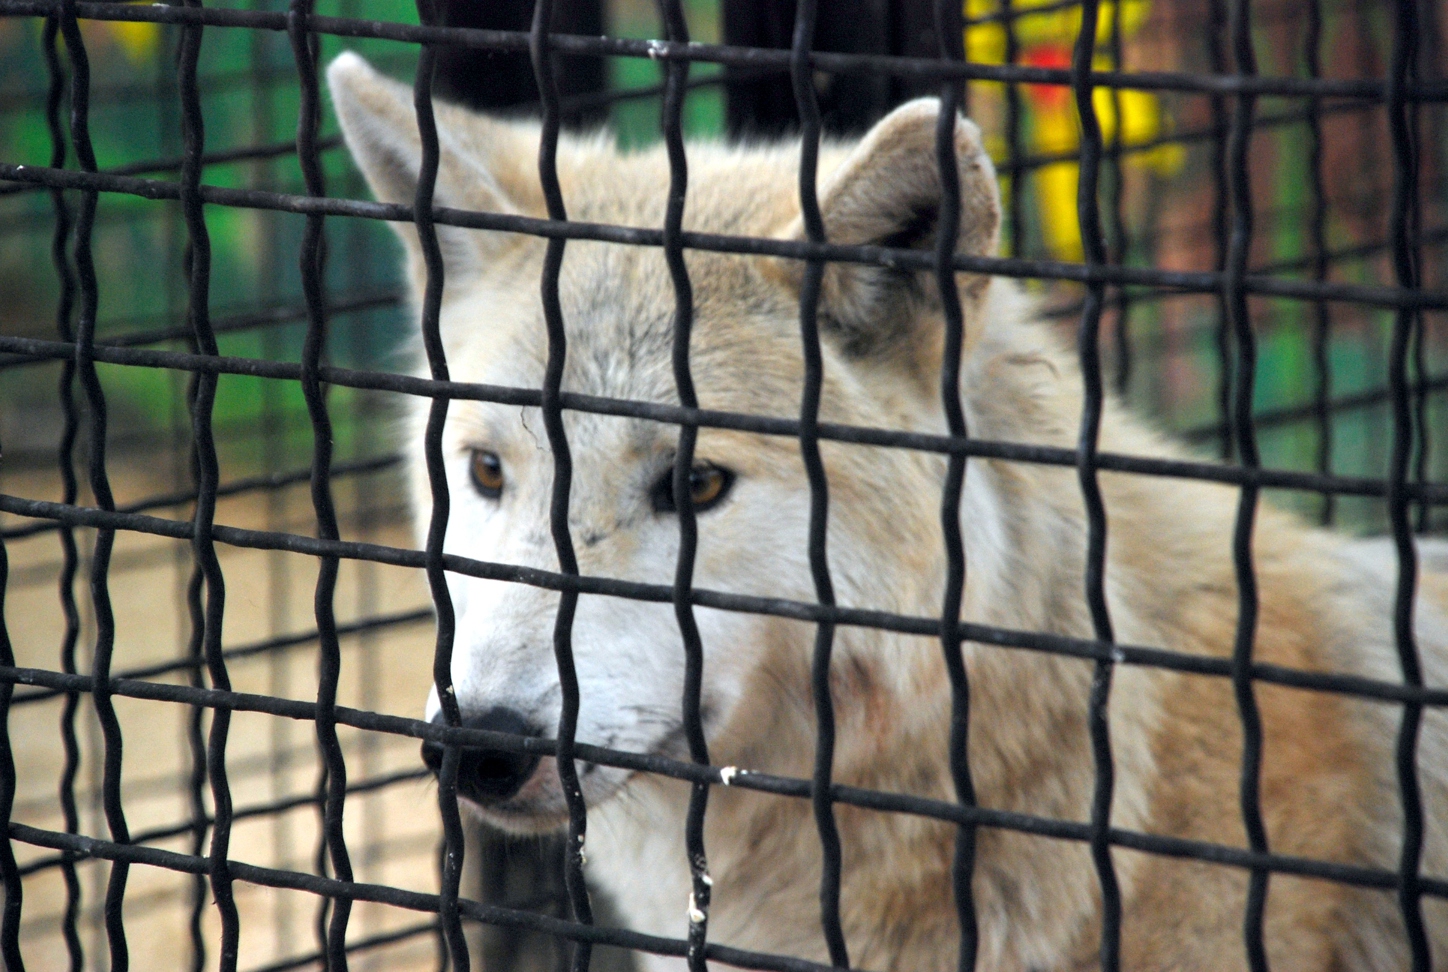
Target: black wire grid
{"x":1233,"y":88}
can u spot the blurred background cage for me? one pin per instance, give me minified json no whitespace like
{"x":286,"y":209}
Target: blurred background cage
{"x":1322,"y":175}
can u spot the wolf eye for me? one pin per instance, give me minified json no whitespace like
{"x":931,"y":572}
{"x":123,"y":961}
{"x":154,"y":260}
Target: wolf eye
{"x":708,"y":485}
{"x":487,"y":473}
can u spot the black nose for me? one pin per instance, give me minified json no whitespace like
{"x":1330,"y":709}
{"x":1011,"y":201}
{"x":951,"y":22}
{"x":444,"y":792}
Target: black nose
{"x":488,"y":775}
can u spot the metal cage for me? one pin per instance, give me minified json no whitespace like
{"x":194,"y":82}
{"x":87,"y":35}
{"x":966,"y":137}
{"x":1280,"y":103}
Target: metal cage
{"x":1131,"y":297}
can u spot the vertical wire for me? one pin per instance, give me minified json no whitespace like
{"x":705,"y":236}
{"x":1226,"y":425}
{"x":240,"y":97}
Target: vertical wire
{"x":1235,"y":295}
{"x":1423,"y":437}
{"x":65,"y":457}
{"x":9,"y":872}
{"x":452,"y":852}
{"x":321,"y":862}
{"x":203,"y":395}
{"x":100,"y":486}
{"x":950,"y":34}
{"x":1418,"y":351}
{"x":1016,"y":197}
{"x":802,"y":78}
{"x":1221,"y":212}
{"x":328,"y":656}
{"x":272,"y":427}
{"x":676,"y":77}
{"x":542,"y":60}
{"x":1366,"y":202}
{"x":196,"y":737}
{"x":1120,"y":240}
{"x":196,"y":650}
{"x":312,"y":267}
{"x":1089,"y":348}
{"x":196,"y":676}
{"x":183,"y":463}
{"x":1317,"y":237}
{"x":447,"y":903}
{"x":1400,"y":228}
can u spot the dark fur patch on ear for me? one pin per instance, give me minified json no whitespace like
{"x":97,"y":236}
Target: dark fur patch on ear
{"x":882,"y":295}
{"x":883,"y":318}
{"x":916,"y":231}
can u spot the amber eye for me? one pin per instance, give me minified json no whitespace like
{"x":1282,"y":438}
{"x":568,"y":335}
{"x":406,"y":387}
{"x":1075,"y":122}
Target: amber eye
{"x":708,"y":485}
{"x":487,"y":473}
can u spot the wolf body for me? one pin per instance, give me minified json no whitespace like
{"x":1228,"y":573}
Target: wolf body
{"x":1328,"y":782}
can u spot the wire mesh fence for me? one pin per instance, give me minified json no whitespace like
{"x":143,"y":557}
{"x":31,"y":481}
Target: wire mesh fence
{"x":1238,"y":208}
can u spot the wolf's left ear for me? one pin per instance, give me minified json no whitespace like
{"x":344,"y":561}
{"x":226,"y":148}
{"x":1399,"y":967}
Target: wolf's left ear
{"x":475,"y":166}
{"x":887,"y":192}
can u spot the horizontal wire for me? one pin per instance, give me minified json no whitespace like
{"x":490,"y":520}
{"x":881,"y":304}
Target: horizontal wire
{"x":258,"y":810}
{"x":1300,"y":413}
{"x":1335,"y":258}
{"x":19,"y":100}
{"x":269,"y":317}
{"x":897,"y":259}
{"x":794,"y":787}
{"x":274,"y":150}
{"x":354,"y":947}
{"x":1191,"y":136}
{"x":776,"y":60}
{"x":254,"y":153}
{"x":1026,"y":163}
{"x":1074,"y":647}
{"x":267,"y":481}
{"x":268,"y":646}
{"x":410,"y":900}
{"x":287,"y":314}
{"x":1430,"y":492}
{"x":1269,"y":418}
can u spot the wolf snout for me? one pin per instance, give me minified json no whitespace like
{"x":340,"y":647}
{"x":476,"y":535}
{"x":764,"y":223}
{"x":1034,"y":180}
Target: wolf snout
{"x":489,"y":775}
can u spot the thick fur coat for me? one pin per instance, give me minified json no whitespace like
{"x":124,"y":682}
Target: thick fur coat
{"x":1328,"y":782}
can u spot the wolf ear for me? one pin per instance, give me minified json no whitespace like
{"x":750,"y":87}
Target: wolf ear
{"x":887,"y":192}
{"x":379,"y":126}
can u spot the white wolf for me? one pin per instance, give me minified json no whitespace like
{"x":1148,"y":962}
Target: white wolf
{"x":1328,"y":783}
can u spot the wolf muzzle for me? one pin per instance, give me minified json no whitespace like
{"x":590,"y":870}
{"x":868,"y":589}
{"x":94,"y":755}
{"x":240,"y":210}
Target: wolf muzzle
{"x":488,"y":775}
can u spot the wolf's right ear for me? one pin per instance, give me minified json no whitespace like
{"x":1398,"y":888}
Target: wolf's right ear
{"x":475,"y":169}
{"x":887,"y":192}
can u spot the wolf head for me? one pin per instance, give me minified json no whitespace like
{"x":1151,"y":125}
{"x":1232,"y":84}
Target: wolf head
{"x":883,"y":335}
